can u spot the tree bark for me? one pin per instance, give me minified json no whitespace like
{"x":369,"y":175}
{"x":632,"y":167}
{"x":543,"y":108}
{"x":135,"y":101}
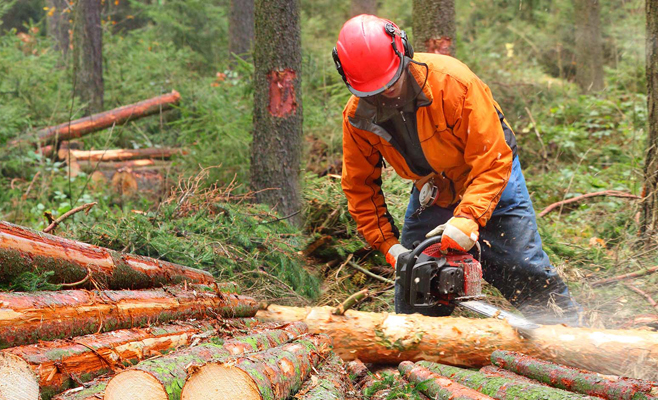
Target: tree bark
{"x":330,"y":383}
{"x":88,"y":54}
{"x":492,"y":370}
{"x":30,"y":317}
{"x":649,"y":226}
{"x":391,"y":339}
{"x":589,"y":46}
{"x":163,"y":378}
{"x":277,"y":373}
{"x":241,"y":28}
{"x":434,"y":26}
{"x":277,"y":143}
{"x":93,"y":391}
{"x":358,"y":7}
{"x":58,"y":24}
{"x":436,"y":386}
{"x":119,"y":154}
{"x":24,"y":250}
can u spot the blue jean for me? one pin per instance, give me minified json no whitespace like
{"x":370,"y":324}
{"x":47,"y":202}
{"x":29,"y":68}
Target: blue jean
{"x":512,"y":256}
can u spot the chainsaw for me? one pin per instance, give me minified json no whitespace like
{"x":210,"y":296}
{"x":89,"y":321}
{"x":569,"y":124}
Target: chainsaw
{"x":430,"y":278}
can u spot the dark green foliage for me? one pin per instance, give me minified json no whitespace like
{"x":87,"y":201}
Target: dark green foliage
{"x":31,"y":282}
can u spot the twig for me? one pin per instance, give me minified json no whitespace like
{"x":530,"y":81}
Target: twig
{"x":370,"y":274}
{"x":636,"y":274}
{"x":645,"y":294}
{"x":55,"y":223}
{"x":27,"y":192}
{"x":282,"y":218}
{"x":350,"y":302}
{"x":86,"y":278}
{"x":544,"y":154}
{"x":349,"y":258}
{"x":611,"y":193}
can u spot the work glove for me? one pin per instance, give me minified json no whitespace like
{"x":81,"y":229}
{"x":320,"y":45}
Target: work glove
{"x":459,"y":233}
{"x":394,"y":252}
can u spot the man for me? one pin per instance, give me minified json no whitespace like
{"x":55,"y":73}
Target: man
{"x":437,"y":124}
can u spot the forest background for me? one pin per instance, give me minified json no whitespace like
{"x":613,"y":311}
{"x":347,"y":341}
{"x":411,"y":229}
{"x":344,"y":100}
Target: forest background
{"x":572,"y":141}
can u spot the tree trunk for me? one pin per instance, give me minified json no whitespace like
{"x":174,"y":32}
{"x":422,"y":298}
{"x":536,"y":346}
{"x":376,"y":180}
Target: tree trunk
{"x":163,"y":378}
{"x":19,"y":381}
{"x":241,"y":28}
{"x":358,"y":7}
{"x":30,"y":317}
{"x":57,"y":363}
{"x":330,"y":383}
{"x":23,"y":250}
{"x":93,"y":391}
{"x":589,"y":46}
{"x":434,"y":26}
{"x":119,"y":154}
{"x":88,"y":54}
{"x":277,"y":144}
{"x":649,"y":226}
{"x":58,"y":24}
{"x":391,"y":339}
{"x":436,"y":386}
{"x":275,"y":374}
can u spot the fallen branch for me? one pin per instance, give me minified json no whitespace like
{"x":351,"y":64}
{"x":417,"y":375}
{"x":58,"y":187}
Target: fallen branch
{"x":636,"y":274}
{"x":350,"y":302}
{"x":93,"y":390}
{"x":86,"y":208}
{"x":370,"y":274}
{"x":645,"y":294}
{"x":311,"y":248}
{"x":610,"y":193}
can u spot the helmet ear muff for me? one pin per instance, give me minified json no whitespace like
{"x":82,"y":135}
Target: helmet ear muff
{"x":339,"y":66}
{"x":408,"y":48}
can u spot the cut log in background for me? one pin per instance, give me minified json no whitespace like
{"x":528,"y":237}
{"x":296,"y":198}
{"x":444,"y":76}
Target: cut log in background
{"x":27,"y":318}
{"x":24,"y":250}
{"x":390,"y":339}
{"x":115,"y":155}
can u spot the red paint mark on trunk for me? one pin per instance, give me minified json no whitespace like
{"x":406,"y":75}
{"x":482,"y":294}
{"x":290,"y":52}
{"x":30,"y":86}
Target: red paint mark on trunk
{"x":282,"y":92}
{"x":439,"y":45}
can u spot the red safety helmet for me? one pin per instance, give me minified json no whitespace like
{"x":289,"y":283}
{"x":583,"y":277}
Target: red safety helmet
{"x":369,"y":54}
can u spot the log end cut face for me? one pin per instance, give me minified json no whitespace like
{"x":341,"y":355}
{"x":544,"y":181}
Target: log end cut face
{"x":220,"y":382}
{"x":17,"y":381}
{"x":135,"y":385}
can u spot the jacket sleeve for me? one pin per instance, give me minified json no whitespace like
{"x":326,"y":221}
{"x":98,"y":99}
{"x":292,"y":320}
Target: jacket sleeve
{"x":485,"y":151}
{"x":361,"y":182}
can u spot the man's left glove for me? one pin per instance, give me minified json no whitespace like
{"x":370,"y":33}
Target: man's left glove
{"x":459,"y":233}
{"x":394,"y":252}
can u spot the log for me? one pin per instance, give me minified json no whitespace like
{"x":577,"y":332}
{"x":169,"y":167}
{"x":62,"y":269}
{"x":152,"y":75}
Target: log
{"x":500,"y":388}
{"x":330,"y":383}
{"x":26,"y":318}
{"x":19,"y":382}
{"x":24,"y":250}
{"x":107,"y":119}
{"x":163,"y":378}
{"x":143,"y":163}
{"x":390,"y":339}
{"x":119,"y":154}
{"x":94,"y":390}
{"x":277,"y":373}
{"x":58,"y":364}
{"x":359,"y":374}
{"x":570,"y":379}
{"x":436,"y":386}
{"x":492,"y":370}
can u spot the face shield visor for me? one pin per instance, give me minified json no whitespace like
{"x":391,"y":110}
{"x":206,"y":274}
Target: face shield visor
{"x":405,"y":90}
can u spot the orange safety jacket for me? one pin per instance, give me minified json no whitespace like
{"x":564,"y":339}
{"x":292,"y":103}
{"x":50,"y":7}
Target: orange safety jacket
{"x":464,"y":138}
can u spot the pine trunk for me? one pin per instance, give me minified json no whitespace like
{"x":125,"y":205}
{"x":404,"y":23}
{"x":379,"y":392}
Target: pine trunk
{"x":391,"y":339}
{"x":649,"y":226}
{"x":23,"y":250}
{"x":492,"y":370}
{"x":589,"y":46}
{"x":92,"y":391}
{"x":436,"y":386}
{"x":277,"y":143}
{"x":119,"y":154}
{"x":241,"y":28}
{"x":274,"y":374}
{"x":58,"y":24}
{"x":88,"y":54}
{"x":434,"y":26}
{"x":31,"y":317}
{"x":358,"y":7}
{"x":163,"y":378}
{"x":330,"y":383}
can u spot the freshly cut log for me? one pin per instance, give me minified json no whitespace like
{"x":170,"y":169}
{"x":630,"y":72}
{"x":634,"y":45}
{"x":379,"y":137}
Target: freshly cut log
{"x":129,"y":183}
{"x":18,"y":381}
{"x":330,"y":383}
{"x":382,"y":338}
{"x":120,"y":154}
{"x":436,"y":386}
{"x":23,"y":250}
{"x":146,"y":163}
{"x":164,"y":377}
{"x":26,"y":318}
{"x":500,"y":388}
{"x":275,"y":374}
{"x":91,"y":391}
{"x":97,"y":122}
{"x":570,"y":379}
{"x":87,"y":357}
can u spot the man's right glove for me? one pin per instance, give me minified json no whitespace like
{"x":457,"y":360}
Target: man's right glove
{"x":394,"y":252}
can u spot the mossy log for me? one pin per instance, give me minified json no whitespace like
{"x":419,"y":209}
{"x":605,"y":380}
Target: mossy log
{"x":119,"y":154}
{"x":436,"y":386}
{"x":570,"y":379}
{"x":492,"y":370}
{"x":24,"y":250}
{"x":390,"y":339}
{"x":26,"y":318}
{"x":330,"y":383}
{"x":274,"y":374}
{"x":93,"y":390}
{"x":500,"y":388}
{"x":163,"y":378}
{"x":57,"y":363}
